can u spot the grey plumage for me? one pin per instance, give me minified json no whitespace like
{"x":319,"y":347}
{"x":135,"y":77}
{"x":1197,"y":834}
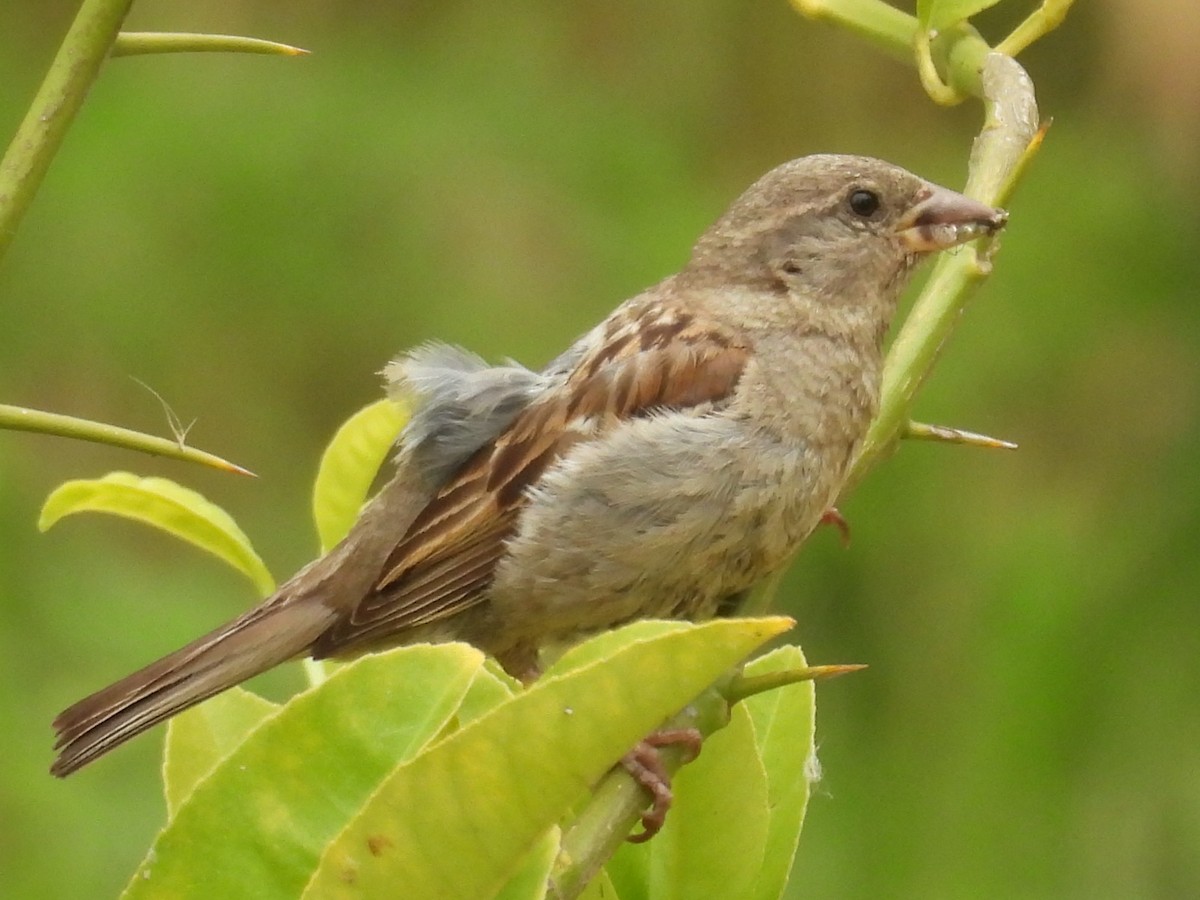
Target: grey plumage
{"x":458,"y":402}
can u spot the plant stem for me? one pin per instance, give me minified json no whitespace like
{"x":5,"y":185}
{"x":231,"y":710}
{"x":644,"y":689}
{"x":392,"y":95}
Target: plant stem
{"x":75,"y":67}
{"x":958,"y":51}
{"x":1010,"y":134}
{"x":1040,"y":22}
{"x":16,"y":418}
{"x":888,"y":28}
{"x":617,"y":802}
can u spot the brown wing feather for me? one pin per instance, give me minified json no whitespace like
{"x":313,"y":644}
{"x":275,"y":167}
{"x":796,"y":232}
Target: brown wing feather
{"x":650,"y":360}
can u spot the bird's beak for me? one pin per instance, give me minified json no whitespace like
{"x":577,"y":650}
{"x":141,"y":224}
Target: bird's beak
{"x":940,"y":219}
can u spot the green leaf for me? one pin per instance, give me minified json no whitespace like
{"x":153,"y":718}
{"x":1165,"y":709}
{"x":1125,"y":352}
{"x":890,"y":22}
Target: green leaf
{"x":601,"y":888}
{"x":715,"y":831}
{"x":256,"y":826}
{"x":488,"y":792}
{"x":530,"y":882}
{"x":487,"y":691}
{"x":202,"y":736}
{"x":349,"y":465}
{"x":604,"y":644}
{"x":165,"y":505}
{"x":935,"y":15}
{"x":784,"y":732}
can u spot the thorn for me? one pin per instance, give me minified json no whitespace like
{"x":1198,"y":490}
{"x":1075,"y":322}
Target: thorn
{"x":1040,"y":135}
{"x":824,"y":673}
{"x":744,"y":686}
{"x":923,"y":432}
{"x":211,"y":459}
{"x":236,"y":469}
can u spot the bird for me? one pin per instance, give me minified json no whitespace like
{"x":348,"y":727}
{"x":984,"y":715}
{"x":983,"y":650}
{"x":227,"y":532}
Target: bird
{"x":671,"y":458}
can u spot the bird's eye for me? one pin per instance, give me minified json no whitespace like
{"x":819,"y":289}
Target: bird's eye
{"x":864,"y":203}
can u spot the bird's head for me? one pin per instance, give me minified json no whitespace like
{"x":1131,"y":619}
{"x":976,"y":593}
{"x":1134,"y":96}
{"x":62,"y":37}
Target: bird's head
{"x":838,"y":229}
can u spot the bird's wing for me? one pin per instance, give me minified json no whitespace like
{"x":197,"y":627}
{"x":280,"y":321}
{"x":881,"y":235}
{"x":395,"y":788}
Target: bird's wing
{"x":648,"y":357}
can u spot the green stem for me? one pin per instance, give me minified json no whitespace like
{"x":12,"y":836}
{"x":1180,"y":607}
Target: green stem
{"x":617,"y":802}
{"x":949,"y":64}
{"x":889,"y":29}
{"x":16,"y":418}
{"x":71,"y":74}
{"x":1040,"y":22}
{"x":1009,"y":137}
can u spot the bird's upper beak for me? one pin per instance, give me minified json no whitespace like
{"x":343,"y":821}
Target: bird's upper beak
{"x":941,"y":218}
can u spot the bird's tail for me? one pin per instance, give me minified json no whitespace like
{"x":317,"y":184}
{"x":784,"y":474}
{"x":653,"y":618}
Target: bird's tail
{"x":261,"y":638}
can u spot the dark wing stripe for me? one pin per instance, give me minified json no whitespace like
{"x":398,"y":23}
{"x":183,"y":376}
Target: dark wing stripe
{"x":654,"y":356}
{"x":409,"y":591}
{"x":662,"y":334}
{"x":453,"y":514}
{"x":460,"y":590}
{"x":614,"y":346}
{"x":446,"y":577}
{"x":465,"y":585}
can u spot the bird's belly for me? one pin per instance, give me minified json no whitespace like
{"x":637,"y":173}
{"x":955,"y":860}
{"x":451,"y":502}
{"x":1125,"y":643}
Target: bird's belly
{"x":704,"y":512}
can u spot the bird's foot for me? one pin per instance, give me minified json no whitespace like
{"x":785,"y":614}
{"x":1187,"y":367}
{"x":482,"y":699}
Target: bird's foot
{"x":832,"y":517}
{"x":645,"y":764}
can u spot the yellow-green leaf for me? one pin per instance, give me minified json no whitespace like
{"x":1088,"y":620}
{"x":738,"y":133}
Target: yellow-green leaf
{"x":487,"y":691}
{"x":606,"y":643}
{"x":349,"y":465}
{"x":257,"y":824}
{"x":530,"y":881}
{"x":165,"y":505}
{"x":202,"y":736}
{"x":488,"y":792}
{"x":715,"y":831}
{"x":784,"y":732}
{"x":600,"y":888}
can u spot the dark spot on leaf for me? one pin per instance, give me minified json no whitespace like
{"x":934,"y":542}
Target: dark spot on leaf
{"x":377,"y":843}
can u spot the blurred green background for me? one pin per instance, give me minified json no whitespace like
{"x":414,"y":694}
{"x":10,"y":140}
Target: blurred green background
{"x":255,"y":238}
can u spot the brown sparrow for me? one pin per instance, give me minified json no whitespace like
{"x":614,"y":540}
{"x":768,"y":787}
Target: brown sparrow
{"x":675,"y":455}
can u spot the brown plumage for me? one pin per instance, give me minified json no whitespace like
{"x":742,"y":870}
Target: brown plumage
{"x":671,"y":458}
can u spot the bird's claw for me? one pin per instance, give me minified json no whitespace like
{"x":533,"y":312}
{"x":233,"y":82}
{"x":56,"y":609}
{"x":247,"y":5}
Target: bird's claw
{"x":833,"y":517}
{"x":645,"y":764}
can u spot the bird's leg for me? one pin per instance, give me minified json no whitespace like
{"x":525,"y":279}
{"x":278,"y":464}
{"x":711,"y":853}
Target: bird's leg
{"x":832,"y":517}
{"x":645,"y":764}
{"x":522,"y":663}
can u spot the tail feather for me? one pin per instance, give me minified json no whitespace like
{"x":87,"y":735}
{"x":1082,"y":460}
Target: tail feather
{"x":257,"y":641}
